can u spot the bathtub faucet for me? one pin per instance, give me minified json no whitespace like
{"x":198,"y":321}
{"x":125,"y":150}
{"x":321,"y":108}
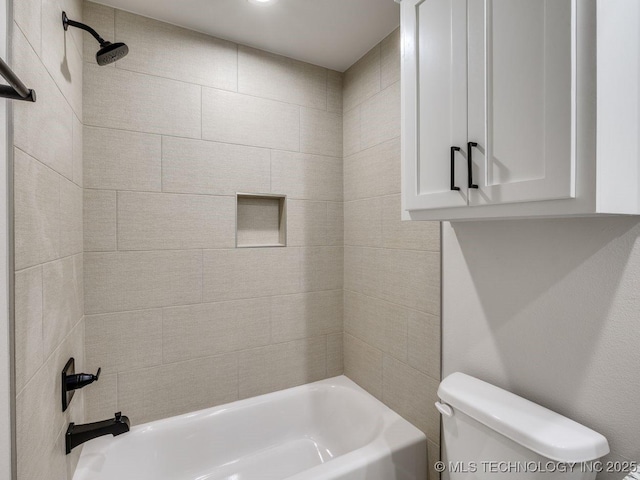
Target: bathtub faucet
{"x":78,"y":434}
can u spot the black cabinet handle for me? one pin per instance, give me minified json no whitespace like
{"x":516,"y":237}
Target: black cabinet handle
{"x":470,"y":145}
{"x":453,"y":168}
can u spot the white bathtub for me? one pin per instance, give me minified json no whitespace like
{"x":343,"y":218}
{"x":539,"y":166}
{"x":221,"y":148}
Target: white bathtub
{"x":326,"y":430}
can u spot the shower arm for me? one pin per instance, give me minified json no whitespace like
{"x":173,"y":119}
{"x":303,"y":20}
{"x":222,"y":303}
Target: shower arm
{"x":72,"y":23}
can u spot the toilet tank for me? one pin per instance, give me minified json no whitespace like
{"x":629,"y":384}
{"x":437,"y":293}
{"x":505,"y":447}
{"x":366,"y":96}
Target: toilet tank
{"x":490,"y":433}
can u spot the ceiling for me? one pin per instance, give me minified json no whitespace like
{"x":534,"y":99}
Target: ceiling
{"x":329,"y":33}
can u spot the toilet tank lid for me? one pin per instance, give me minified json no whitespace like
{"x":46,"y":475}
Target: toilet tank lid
{"x":534,"y":427}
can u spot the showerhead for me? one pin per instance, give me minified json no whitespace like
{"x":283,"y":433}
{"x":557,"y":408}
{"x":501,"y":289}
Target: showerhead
{"x":109,"y":52}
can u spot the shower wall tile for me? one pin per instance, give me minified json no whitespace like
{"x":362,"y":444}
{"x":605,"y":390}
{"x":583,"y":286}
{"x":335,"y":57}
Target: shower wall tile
{"x":122,"y":281}
{"x":390,"y":59}
{"x":116,"y":98}
{"x":363,"y":365}
{"x":43,"y":129}
{"x":28,"y":17}
{"x":101,"y":400}
{"x":77,"y":151}
{"x":103,"y":20}
{"x":40,"y":423}
{"x":60,"y":54}
{"x":120,"y":342}
{"x":363,"y":270}
{"x":71,"y":218}
{"x":373,"y":172}
{"x":424,"y":343}
{"x":411,"y":278}
{"x":380,"y":117}
{"x":160,"y":221}
{"x":362,"y":80}
{"x":306,"y":223}
{"x":335,"y":361}
{"x":122,"y":160}
{"x":321,"y":268}
{"x":48,"y":234}
{"x":391,"y":268}
{"x":250,"y":273}
{"x":75,"y":10}
{"x":99,"y":220}
{"x":335,"y":223}
{"x":411,"y":394}
{"x":381,"y":324}
{"x":168,"y":143}
{"x":433,"y":457}
{"x":320,"y":132}
{"x":303,"y":176}
{"x":305,"y":315}
{"x":62,"y":300}
{"x":351,"y":132}
{"x":214,"y":328}
{"x":165,"y":50}
{"x":195,"y":166}
{"x":334,"y":91}
{"x":407,"y":235}
{"x":363,"y":222}
{"x":176,"y":388}
{"x":36,"y":211}
{"x":267,"y":75}
{"x":281,"y":366}
{"x":245,"y":120}
{"x":29,"y":351}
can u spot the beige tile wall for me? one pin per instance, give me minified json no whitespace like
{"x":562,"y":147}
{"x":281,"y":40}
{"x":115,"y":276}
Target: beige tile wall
{"x":48,"y":206}
{"x":171,"y":133}
{"x":391,"y":268}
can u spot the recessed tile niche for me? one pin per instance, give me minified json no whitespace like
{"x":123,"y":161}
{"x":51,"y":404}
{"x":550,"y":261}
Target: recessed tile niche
{"x":261,"y":220}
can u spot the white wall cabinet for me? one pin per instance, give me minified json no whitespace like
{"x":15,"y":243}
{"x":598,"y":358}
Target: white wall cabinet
{"x":520,"y":108}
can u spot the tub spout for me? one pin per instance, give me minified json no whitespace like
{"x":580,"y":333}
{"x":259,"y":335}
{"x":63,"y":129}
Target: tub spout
{"x":78,"y":434}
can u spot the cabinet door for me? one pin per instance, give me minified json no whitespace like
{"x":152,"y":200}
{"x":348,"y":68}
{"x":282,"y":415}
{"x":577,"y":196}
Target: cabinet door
{"x":521,"y":107}
{"x":434,"y":96}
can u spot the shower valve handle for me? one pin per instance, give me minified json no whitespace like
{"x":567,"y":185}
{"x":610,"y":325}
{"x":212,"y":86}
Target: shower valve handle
{"x":80,"y":380}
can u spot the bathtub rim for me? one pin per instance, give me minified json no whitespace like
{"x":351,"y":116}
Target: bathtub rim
{"x":395,"y":434}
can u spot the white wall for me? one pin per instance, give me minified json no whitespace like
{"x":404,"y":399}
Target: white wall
{"x":550,"y":309}
{"x":5,"y":410}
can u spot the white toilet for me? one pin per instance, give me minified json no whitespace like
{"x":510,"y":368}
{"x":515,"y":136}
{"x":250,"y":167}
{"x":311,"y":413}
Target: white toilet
{"x":490,"y":433}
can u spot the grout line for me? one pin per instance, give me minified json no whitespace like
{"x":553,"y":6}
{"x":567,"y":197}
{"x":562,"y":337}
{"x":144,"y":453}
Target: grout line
{"x":162,"y":164}
{"x":392,"y":303}
{"x":162,"y":336}
{"x":231,"y":248}
{"x":42,"y":64}
{"x":171,"y":79}
{"x":116,"y":229}
{"x":117,"y":391}
{"x":326,"y":83}
{"x":230,"y":195}
{"x":48,"y":167}
{"x":49,"y":262}
{"x":271,"y":171}
{"x":202,"y":276}
{"x":186,"y":305}
{"x":169,"y":135}
{"x":231,"y":353}
{"x":49,"y":357}
{"x":237,"y":375}
{"x":299,"y":129}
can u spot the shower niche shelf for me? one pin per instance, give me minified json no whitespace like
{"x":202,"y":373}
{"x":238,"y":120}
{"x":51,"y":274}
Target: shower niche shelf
{"x":261,"y":220}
